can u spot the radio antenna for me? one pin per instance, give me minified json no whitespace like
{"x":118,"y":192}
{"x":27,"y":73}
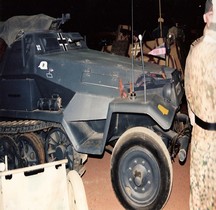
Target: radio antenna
{"x":160,"y":19}
{"x":132,"y":51}
{"x":143,"y":67}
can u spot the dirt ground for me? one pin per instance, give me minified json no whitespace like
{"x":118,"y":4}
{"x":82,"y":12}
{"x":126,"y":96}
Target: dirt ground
{"x":100,"y":195}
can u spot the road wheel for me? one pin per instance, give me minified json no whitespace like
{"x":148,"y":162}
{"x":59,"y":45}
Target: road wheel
{"x":9,"y":153}
{"x":141,"y":170}
{"x":58,"y":147}
{"x":31,"y":149}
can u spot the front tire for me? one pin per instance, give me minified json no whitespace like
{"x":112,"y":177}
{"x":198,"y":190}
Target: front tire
{"x":141,"y":170}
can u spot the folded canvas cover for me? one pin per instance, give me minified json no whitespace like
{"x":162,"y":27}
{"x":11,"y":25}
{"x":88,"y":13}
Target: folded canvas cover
{"x":14,"y":26}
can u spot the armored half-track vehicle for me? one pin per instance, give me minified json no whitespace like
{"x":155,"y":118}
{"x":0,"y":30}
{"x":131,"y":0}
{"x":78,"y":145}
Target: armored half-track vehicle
{"x":59,"y":99}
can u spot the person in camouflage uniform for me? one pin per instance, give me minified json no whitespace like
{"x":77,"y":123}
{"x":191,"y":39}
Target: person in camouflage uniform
{"x":200,"y":89}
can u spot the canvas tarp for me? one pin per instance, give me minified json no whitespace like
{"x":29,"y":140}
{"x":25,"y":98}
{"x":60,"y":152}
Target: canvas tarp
{"x":11,"y":28}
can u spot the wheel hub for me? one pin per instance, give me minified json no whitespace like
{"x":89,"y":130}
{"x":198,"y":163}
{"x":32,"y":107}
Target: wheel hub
{"x":60,"y":152}
{"x":139,"y":173}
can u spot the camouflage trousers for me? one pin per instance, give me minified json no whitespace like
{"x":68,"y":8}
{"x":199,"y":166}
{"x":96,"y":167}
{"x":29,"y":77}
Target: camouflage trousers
{"x":203,"y":170}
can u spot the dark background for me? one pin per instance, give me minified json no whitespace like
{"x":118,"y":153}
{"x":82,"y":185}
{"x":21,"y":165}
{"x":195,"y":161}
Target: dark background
{"x":93,"y":16}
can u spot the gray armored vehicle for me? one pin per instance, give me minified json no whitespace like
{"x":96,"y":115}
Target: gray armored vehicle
{"x":59,"y":99}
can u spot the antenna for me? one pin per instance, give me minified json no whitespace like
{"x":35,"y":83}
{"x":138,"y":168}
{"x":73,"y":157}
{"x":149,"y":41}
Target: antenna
{"x":142,"y":58}
{"x":132,"y":43}
{"x":160,"y":19}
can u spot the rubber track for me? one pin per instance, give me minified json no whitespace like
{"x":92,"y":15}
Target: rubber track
{"x":24,"y":126}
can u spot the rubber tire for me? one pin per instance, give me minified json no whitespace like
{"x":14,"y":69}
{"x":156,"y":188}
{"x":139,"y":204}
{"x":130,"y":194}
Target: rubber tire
{"x":76,"y":192}
{"x":147,"y":144}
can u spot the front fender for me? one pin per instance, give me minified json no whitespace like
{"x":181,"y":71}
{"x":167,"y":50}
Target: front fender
{"x":160,"y":111}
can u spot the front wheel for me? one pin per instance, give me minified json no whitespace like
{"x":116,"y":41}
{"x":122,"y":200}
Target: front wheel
{"x":141,"y":170}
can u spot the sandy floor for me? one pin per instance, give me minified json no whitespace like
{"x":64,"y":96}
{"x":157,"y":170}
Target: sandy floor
{"x":100,"y":195}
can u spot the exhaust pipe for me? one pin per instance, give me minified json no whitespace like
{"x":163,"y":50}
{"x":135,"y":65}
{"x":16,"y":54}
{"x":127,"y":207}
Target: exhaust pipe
{"x":184,"y":143}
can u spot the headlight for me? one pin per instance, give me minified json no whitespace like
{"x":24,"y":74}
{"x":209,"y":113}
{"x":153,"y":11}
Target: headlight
{"x":167,"y":92}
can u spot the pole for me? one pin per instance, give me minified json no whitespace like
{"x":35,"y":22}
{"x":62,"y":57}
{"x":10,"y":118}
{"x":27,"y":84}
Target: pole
{"x":160,"y":19}
{"x":132,"y":57}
